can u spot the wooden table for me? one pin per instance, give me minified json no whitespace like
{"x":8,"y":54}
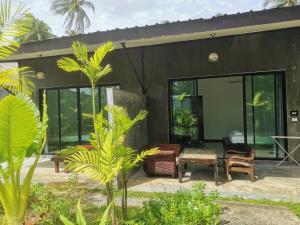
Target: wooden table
{"x":197,"y":156}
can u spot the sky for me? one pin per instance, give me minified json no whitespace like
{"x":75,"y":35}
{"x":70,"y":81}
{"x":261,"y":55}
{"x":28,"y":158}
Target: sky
{"x":111,"y":14}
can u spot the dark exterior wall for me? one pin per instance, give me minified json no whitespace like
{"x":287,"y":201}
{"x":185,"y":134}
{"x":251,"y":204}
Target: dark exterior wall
{"x":267,"y":51}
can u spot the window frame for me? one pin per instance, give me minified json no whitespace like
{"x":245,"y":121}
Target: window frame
{"x":79,"y":116}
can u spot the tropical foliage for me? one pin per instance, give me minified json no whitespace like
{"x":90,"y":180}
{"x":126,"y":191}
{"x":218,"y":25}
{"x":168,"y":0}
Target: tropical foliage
{"x":13,"y":25}
{"x":38,"y":31}
{"x":184,"y":207}
{"x":80,"y":219}
{"x":77,"y":19}
{"x":22,"y":135}
{"x":184,"y":119}
{"x":280,"y":3}
{"x":91,"y":67}
{"x":45,"y":208}
{"x":110,"y":156}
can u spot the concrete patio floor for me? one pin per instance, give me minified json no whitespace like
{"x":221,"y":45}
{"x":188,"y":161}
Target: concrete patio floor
{"x":272,"y":183}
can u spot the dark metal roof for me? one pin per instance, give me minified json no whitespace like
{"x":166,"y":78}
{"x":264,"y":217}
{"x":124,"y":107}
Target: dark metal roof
{"x":251,"y":18}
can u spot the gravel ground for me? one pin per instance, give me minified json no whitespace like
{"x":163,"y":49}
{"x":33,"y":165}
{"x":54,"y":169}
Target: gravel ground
{"x":234,"y":213}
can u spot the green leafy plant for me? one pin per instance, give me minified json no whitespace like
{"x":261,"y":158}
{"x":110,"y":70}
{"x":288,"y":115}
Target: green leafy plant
{"x":38,"y":31}
{"x":90,"y":67}
{"x":22,"y":135}
{"x":184,"y":119}
{"x":189,"y":208}
{"x":109,"y":156}
{"x":113,"y":158}
{"x":13,"y":25}
{"x":44,"y":208}
{"x":128,"y":156}
{"x":257,"y":102}
{"x":81,"y":219}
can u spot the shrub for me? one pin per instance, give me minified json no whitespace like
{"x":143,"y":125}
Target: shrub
{"x":188,"y":208}
{"x":45,"y":208}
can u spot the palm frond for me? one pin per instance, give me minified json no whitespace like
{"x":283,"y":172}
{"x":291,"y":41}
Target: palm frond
{"x":76,"y":20}
{"x":106,"y":70}
{"x":13,"y":24}
{"x":90,"y":164}
{"x":68,"y":64}
{"x":100,"y":53}
{"x":88,"y":4}
{"x":39,"y":30}
{"x":80,"y":51}
{"x":60,"y":7}
{"x":279,"y":3}
{"x":17,"y":80}
{"x":122,"y":119}
{"x":131,"y":158}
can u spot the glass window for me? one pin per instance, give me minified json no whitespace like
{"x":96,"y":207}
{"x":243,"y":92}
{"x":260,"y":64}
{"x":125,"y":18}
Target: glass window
{"x":263,"y":104}
{"x":69,"y":124}
{"x":187,"y":87}
{"x":186,"y":109}
{"x":68,"y":117}
{"x":53,"y":123}
{"x":87,"y":109}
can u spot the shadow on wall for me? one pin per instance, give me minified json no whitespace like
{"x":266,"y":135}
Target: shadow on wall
{"x":134,"y":103}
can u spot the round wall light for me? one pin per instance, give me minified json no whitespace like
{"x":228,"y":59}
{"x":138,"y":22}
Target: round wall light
{"x":213,"y":57}
{"x":40,"y":75}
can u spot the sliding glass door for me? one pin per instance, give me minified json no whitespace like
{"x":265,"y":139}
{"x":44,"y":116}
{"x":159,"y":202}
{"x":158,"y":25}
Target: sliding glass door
{"x":68,"y":117}
{"x":53,"y":131}
{"x":69,"y":123}
{"x":264,"y":113}
{"x":86,"y":107}
{"x":186,"y":125}
{"x":259,"y":114}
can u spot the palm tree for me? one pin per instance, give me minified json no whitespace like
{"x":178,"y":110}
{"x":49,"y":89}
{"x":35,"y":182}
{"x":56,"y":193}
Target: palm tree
{"x":110,"y":156}
{"x":39,"y":30}
{"x":13,"y":25}
{"x":280,"y":3}
{"x":77,"y":19}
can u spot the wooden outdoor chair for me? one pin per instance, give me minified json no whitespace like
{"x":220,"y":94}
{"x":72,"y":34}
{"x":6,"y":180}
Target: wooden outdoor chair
{"x":244,"y":164}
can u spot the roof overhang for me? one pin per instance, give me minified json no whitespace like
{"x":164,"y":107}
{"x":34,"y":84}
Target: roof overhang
{"x":165,"y":39}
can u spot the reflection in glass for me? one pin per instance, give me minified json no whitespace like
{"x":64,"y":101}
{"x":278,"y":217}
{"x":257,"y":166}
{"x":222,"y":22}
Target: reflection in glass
{"x":53,"y":123}
{"x":68,"y":125}
{"x":87,"y":108}
{"x":262,"y":113}
{"x":68,"y":117}
{"x":185,"y":114}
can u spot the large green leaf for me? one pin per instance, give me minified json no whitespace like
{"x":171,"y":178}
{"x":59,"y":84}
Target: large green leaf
{"x":79,"y":214}
{"x":18,"y":127}
{"x":104,"y":217}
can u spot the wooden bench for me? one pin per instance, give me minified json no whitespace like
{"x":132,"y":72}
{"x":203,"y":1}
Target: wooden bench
{"x":57,"y":159}
{"x":60,"y":159}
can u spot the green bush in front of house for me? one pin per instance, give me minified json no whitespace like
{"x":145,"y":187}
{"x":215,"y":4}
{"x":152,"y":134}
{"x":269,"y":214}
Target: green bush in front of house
{"x":189,"y":208}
